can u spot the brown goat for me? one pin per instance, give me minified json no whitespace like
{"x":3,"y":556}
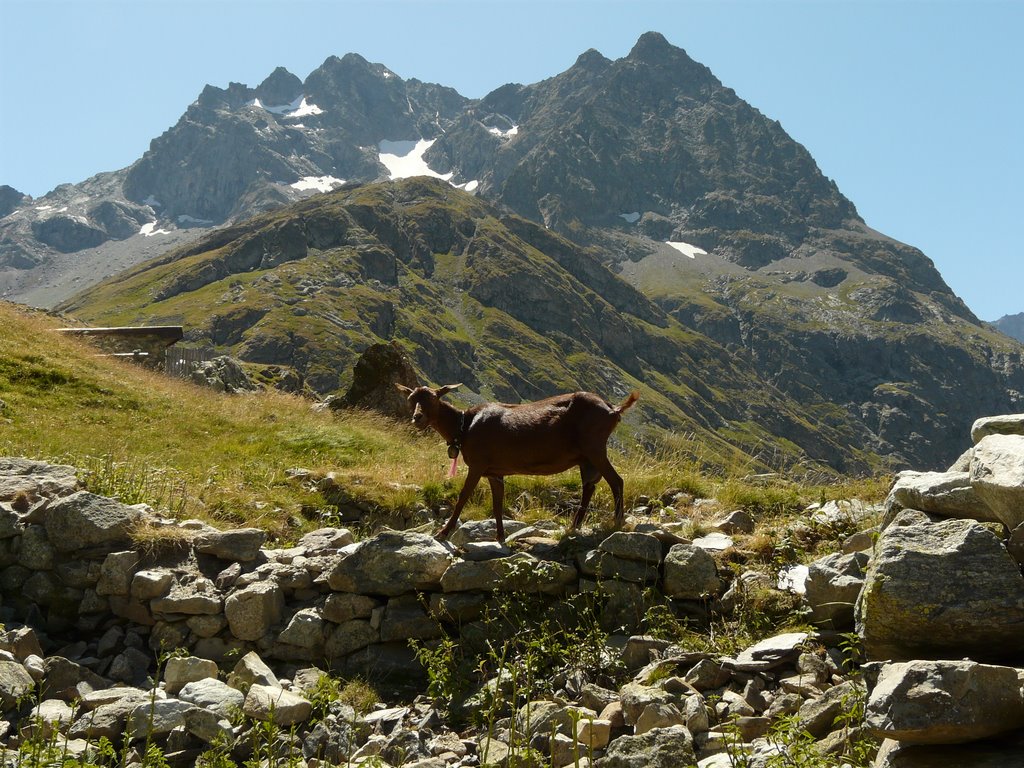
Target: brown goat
{"x":540,"y":438}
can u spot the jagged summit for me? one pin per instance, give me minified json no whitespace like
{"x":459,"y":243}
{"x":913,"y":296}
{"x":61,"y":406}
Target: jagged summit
{"x":280,"y":87}
{"x":592,"y":60}
{"x":652,"y":46}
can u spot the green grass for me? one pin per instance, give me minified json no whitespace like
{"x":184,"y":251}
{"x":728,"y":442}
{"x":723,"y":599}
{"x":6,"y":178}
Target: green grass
{"x":144,"y":437}
{"x":151,"y":438}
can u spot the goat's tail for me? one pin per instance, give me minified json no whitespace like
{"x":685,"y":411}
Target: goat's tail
{"x":626,"y":404}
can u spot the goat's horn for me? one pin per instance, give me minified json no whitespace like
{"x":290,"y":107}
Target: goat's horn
{"x":403,"y":389}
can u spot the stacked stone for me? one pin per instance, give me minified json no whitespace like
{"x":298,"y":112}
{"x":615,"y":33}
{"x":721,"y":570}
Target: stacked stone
{"x":355,"y":606}
{"x":69,"y":565}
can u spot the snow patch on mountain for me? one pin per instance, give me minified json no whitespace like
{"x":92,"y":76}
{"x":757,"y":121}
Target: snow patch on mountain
{"x":506,"y":134}
{"x":318,"y":183}
{"x":631,"y":218}
{"x":404,"y":159}
{"x":298,"y":108}
{"x":148,"y":230}
{"x":686,"y":249}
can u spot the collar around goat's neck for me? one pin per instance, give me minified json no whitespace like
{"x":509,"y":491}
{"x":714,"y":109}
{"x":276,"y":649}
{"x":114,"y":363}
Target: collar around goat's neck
{"x":458,"y":421}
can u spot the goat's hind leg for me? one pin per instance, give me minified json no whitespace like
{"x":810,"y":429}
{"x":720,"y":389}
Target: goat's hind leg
{"x":589,"y":474}
{"x":615,"y":483}
{"x":472,"y":478}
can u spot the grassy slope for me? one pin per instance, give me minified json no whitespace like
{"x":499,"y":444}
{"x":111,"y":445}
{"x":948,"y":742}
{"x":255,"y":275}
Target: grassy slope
{"x":224,"y":458}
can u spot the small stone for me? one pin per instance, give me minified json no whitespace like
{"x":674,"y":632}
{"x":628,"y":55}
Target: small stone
{"x":658,"y":715}
{"x":147,"y":585}
{"x":251,"y":670}
{"x":238,"y":545}
{"x":276,"y":705}
{"x":738,"y":521}
{"x":252,"y":611}
{"x":179,"y":671}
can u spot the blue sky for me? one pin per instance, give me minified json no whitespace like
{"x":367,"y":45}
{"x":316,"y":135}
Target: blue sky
{"x":913,"y":107}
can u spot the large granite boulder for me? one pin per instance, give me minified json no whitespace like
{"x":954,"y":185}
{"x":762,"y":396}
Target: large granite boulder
{"x":948,"y":494}
{"x":935,"y":590}
{"x":997,"y":476}
{"x":1006,"y":424}
{"x":944,"y":702}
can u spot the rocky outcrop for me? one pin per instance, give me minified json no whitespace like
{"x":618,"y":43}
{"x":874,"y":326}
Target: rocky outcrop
{"x":374,"y":377}
{"x":222,"y":374}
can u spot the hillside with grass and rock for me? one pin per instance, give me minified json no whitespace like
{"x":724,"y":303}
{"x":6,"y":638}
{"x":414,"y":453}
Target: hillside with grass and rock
{"x":252,"y":579}
{"x":628,"y":219}
{"x":516,"y":312}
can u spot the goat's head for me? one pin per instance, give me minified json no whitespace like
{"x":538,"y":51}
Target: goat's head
{"x":425,"y":402}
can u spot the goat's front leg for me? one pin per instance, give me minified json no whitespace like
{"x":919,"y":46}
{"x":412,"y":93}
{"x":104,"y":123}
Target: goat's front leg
{"x":472,"y":478}
{"x":498,"y":502}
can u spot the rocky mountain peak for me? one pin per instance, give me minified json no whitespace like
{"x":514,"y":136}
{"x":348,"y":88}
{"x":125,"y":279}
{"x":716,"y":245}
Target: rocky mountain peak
{"x":1011,"y":325}
{"x":652,"y":46}
{"x":350,"y":67}
{"x":280,"y":87}
{"x":671,"y":67}
{"x":592,"y":60}
{"x":10,"y":198}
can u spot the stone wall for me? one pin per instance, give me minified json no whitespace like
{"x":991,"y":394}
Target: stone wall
{"x":73,"y":563}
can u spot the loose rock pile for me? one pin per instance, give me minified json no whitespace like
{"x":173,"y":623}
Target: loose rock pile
{"x":101,"y":603}
{"x":942,"y":608}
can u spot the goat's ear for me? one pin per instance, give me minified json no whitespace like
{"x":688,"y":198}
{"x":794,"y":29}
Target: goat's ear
{"x":403,"y":389}
{"x":442,"y":391}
